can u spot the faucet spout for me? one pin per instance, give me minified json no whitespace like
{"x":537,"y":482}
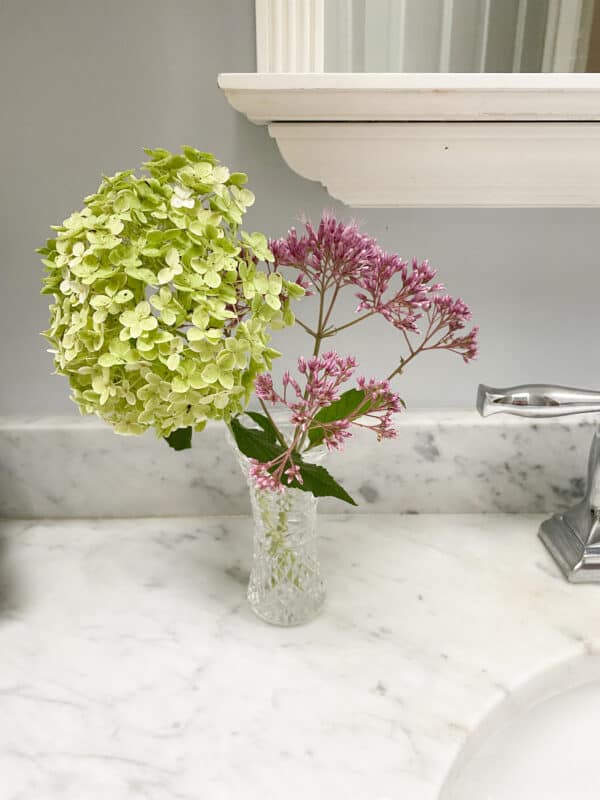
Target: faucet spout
{"x":536,"y":400}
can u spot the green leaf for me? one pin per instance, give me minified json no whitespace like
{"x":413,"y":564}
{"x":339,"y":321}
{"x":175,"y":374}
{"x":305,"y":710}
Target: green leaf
{"x":181,"y":439}
{"x":346,"y":405}
{"x":254,"y":443}
{"x":265,"y":423}
{"x":320,"y":483}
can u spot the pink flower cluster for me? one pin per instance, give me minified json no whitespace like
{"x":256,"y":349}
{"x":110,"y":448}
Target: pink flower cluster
{"x":338,"y":255}
{"x":323,"y":377}
{"x":453,"y":315}
{"x":270,"y":481}
{"x":379,"y":405}
{"x":407,"y":304}
{"x":334,"y":253}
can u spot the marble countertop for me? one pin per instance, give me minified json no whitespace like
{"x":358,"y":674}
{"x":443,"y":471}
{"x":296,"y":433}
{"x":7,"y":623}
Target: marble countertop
{"x":132,"y":667}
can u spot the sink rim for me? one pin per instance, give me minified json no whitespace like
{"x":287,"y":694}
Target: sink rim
{"x":560,"y":677}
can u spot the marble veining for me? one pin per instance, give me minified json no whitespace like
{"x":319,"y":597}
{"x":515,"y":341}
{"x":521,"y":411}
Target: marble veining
{"x":442,"y":462}
{"x":133,"y":668}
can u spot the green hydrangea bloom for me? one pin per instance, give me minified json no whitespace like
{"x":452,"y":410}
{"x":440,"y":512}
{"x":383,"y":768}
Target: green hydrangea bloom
{"x":161,"y":316}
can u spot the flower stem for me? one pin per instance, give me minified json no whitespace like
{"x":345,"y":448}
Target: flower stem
{"x":336,"y":291}
{"x":299,"y":437}
{"x":319,"y":332}
{"x":430,"y":333}
{"x":278,"y":433}
{"x":334,"y":331}
{"x":306,"y":328}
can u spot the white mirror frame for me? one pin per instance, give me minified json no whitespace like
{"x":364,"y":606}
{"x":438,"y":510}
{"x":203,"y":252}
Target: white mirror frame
{"x":410,"y":139}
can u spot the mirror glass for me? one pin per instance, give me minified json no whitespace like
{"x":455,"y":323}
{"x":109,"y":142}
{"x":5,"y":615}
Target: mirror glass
{"x":462,"y":36}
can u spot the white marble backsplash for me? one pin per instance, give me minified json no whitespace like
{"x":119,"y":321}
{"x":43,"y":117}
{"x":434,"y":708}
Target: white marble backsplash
{"x":442,"y":462}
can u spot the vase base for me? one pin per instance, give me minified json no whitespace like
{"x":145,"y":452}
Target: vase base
{"x":287,"y":609}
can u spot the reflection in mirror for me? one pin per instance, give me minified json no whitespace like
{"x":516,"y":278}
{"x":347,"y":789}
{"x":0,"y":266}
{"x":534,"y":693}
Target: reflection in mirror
{"x":462,"y":36}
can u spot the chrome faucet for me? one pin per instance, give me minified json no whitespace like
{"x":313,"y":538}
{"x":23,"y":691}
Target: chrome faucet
{"x":573,"y":538}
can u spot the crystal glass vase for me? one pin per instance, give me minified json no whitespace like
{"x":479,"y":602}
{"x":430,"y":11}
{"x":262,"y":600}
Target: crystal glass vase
{"x":286,"y":586}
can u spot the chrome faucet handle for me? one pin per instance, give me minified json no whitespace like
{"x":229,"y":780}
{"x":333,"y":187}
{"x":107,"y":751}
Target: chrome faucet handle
{"x":536,"y":400}
{"x":573,"y":538}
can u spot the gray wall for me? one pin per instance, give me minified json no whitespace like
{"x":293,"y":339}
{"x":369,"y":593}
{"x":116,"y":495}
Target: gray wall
{"x":85,"y":84}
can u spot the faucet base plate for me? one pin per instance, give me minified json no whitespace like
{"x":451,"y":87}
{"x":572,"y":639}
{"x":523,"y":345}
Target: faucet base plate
{"x":579,"y":563}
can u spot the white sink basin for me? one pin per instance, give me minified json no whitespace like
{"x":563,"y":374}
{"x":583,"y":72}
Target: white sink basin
{"x":540,"y":744}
